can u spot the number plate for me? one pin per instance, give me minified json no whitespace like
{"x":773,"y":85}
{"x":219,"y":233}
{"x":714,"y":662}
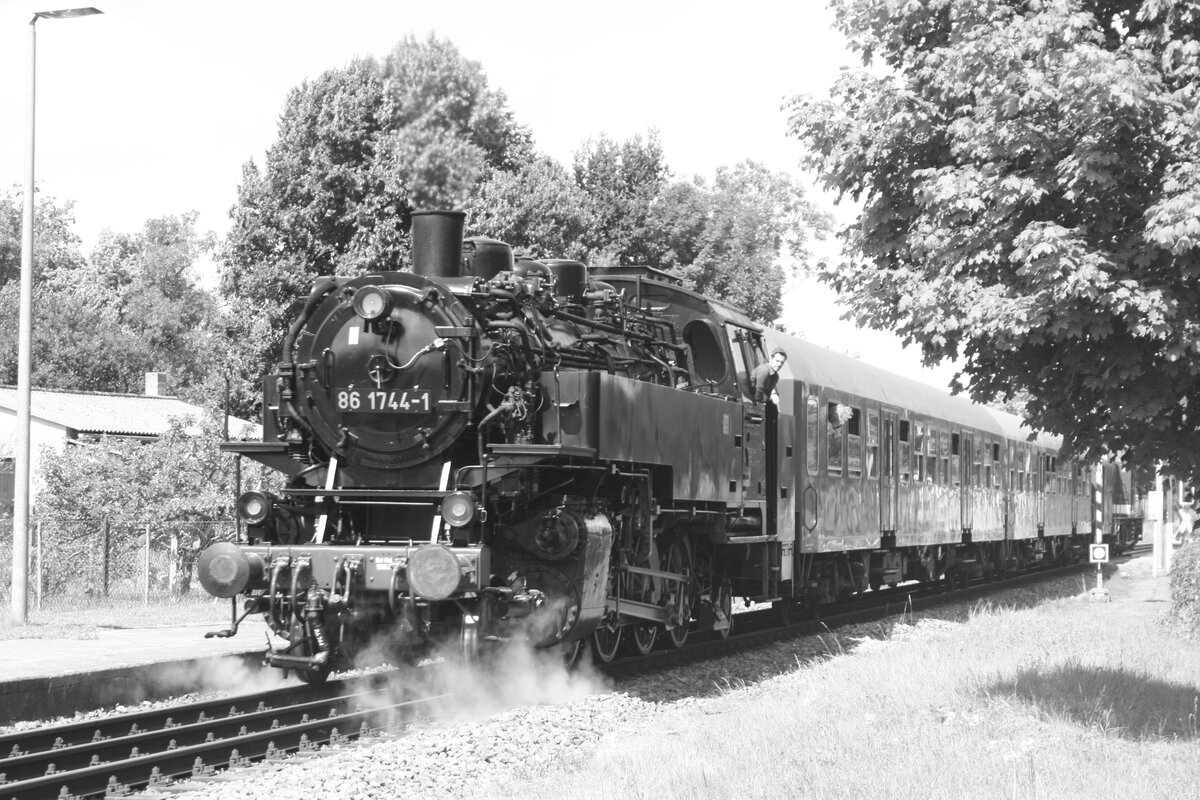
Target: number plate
{"x":384,"y":401}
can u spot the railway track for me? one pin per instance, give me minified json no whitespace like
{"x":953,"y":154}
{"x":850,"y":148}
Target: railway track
{"x":111,"y":757}
{"x":114,"y":756}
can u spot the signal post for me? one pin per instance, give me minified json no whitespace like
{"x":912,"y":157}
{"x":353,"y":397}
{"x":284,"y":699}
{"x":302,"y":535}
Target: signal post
{"x":1098,"y":550}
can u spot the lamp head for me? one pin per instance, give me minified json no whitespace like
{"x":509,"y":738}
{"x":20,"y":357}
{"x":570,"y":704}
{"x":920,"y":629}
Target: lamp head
{"x":67,"y":13}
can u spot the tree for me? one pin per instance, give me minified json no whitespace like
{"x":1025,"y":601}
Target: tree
{"x":1029,"y":173}
{"x":78,"y":344}
{"x":135,"y":306}
{"x":56,"y":250}
{"x":164,"y":305}
{"x":537,"y":209}
{"x":739,"y":238}
{"x":147,"y":283}
{"x":359,"y":149}
{"x":180,"y":482}
{"x":55,"y":245}
{"x":621,"y":182}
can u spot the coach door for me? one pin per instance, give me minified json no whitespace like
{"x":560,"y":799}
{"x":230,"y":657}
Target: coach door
{"x":970,"y":479}
{"x":888,"y":499}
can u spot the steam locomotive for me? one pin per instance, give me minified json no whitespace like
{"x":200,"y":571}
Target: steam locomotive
{"x":486,"y":447}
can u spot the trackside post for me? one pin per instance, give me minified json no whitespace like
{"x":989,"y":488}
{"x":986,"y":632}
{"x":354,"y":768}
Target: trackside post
{"x":1099,"y":550}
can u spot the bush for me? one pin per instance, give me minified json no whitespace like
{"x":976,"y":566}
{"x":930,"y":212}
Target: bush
{"x":1185,"y":588}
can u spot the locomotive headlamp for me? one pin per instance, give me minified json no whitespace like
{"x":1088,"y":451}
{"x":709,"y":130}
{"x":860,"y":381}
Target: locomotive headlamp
{"x":255,"y":507}
{"x":372,"y":303}
{"x":433,"y":572}
{"x":458,"y":509}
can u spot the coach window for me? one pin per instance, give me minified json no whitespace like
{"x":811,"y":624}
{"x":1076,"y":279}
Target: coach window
{"x":1012,"y":467}
{"x":833,"y":432}
{"x":976,"y":461}
{"x":919,"y":451}
{"x":995,"y":470}
{"x":931,"y":459}
{"x":813,"y":410}
{"x":955,"y":453}
{"x":986,"y":455}
{"x":905,"y":450}
{"x":872,"y":444}
{"x":944,"y":452}
{"x":966,"y":452}
{"x":854,"y":443}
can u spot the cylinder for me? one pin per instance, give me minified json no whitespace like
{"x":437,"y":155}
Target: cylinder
{"x":437,"y":243}
{"x":486,"y":258}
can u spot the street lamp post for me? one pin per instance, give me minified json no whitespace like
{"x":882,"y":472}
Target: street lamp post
{"x":20,"y":555}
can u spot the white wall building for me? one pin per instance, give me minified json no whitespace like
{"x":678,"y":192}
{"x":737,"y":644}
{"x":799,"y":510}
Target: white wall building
{"x":57,"y":417}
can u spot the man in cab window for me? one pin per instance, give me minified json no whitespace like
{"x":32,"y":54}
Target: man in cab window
{"x":765,"y":377}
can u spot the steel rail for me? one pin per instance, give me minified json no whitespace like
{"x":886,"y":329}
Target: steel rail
{"x":110,"y":765}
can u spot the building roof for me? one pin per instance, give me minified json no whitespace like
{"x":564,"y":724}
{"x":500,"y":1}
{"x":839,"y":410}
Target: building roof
{"x":116,"y":414}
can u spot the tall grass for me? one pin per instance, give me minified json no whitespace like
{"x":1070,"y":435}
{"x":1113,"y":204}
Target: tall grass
{"x":1070,"y":699}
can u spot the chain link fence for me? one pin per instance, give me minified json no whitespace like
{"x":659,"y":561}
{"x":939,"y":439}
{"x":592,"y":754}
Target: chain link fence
{"x":94,"y":563}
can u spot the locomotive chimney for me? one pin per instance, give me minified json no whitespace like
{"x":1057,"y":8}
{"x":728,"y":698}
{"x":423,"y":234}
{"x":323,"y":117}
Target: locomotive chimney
{"x":437,"y":238}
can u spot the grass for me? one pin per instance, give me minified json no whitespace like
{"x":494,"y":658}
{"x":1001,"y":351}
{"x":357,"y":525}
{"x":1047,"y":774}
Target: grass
{"x":82,"y":620}
{"x":1068,"y":699}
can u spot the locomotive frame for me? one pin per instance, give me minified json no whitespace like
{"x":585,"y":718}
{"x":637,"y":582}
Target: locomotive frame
{"x":486,"y":448}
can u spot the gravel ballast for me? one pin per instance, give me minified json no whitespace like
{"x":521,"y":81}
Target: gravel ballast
{"x":543,"y":722}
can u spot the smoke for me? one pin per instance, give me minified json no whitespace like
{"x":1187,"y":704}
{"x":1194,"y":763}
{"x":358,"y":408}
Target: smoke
{"x":514,"y":675}
{"x":222,"y":674}
{"x":504,"y":675}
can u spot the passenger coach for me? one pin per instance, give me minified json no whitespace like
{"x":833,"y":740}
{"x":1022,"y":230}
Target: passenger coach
{"x":864,"y":478}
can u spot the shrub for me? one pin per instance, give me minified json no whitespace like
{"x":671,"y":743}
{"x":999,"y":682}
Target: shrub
{"x":1185,"y":588}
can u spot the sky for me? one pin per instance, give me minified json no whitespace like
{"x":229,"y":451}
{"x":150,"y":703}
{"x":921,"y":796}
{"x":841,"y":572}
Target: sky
{"x":153,"y":107}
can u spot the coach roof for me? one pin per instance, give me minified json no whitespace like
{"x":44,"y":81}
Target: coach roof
{"x":818,"y":365}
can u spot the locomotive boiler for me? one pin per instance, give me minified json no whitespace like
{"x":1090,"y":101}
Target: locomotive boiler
{"x":482,"y":448}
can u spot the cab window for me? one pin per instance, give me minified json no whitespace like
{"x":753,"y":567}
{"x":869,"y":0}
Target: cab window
{"x":747,"y":349}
